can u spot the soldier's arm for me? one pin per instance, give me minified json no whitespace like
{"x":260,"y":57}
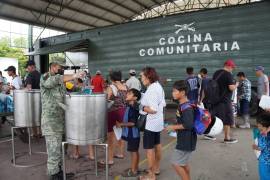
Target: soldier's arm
{"x":51,"y":82}
{"x":67,"y":78}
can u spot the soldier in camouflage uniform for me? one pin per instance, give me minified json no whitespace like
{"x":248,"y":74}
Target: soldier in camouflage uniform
{"x":52,"y":121}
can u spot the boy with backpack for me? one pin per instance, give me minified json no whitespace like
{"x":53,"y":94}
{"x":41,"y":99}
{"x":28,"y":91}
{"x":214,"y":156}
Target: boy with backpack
{"x":186,"y":134}
{"x":130,"y":132}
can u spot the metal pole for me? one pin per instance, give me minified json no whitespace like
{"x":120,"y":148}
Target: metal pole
{"x":13,"y":146}
{"x":63,"y":159}
{"x":96,"y":168}
{"x":107,"y":165}
{"x":29,"y":141}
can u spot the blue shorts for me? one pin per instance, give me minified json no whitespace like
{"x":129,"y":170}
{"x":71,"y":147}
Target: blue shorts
{"x":264,"y":171}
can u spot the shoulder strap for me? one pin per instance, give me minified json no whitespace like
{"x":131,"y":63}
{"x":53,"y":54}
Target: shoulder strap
{"x":185,"y":106}
{"x":219,"y":75}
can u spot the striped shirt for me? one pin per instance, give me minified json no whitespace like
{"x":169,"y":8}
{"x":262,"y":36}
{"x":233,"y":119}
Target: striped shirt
{"x":155,"y":99}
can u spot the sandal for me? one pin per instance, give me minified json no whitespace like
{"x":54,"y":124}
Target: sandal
{"x":119,"y":156}
{"x":92,"y":158}
{"x":102,"y":163}
{"x":146,"y":171}
{"x":75,"y":157}
{"x":146,"y":177}
{"x":129,"y":173}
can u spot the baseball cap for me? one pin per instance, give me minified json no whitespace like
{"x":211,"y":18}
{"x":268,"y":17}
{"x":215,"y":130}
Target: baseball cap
{"x":259,"y":68}
{"x":132,"y":71}
{"x":30,"y":63}
{"x":11,"y":68}
{"x":98,"y":72}
{"x":60,"y":63}
{"x":230,"y":63}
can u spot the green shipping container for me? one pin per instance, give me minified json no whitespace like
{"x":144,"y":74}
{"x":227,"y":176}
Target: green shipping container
{"x":171,"y":43}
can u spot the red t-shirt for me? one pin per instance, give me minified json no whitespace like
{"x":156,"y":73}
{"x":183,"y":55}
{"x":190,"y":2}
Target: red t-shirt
{"x":98,"y":83}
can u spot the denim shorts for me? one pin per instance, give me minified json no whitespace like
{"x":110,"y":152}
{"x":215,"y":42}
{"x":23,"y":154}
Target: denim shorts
{"x":244,"y":107}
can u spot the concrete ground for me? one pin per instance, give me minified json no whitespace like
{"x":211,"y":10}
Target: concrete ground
{"x":213,"y":160}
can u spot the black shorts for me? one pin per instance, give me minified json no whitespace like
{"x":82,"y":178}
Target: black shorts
{"x":150,"y":139}
{"x":133,"y":144}
{"x":224,"y":112}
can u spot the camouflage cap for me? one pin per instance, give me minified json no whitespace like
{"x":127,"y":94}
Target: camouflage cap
{"x":61,"y":63}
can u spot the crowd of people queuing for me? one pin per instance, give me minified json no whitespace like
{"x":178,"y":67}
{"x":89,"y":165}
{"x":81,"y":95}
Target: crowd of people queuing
{"x":133,"y":98}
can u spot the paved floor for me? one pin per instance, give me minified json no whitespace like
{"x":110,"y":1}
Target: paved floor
{"x":213,"y":160}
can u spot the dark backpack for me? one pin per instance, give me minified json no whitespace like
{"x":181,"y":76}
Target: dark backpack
{"x":212,"y":91}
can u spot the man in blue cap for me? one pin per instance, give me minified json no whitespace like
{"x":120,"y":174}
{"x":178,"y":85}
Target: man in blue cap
{"x":262,"y":82}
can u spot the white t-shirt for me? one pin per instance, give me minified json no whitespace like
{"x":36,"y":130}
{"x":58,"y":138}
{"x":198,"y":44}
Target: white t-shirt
{"x":16,"y":82}
{"x":133,"y":82}
{"x":154,"y":97}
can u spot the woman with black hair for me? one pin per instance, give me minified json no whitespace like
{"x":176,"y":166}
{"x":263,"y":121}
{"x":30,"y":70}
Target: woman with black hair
{"x":116,"y":93}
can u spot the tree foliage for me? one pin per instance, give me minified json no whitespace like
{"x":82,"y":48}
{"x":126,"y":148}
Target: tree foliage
{"x":17,"y":53}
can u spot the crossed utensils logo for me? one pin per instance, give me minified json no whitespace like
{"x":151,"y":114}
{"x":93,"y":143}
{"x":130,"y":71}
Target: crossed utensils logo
{"x":185,"y":27}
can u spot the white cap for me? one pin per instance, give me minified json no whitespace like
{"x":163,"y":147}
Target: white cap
{"x":132,"y":71}
{"x":98,"y":72}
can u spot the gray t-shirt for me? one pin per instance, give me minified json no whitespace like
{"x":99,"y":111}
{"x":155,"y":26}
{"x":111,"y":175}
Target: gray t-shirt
{"x":133,"y":82}
{"x":261,"y":88}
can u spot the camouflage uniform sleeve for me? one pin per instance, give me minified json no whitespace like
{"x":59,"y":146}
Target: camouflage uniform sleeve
{"x":50,"y":82}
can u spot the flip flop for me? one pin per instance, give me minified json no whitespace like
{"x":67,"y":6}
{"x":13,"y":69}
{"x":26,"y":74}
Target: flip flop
{"x":72,"y":156}
{"x":147,"y":171}
{"x":103,"y":164}
{"x":118,"y":157}
{"x":147,"y":177}
{"x":129,"y":173}
{"x":89,"y":158}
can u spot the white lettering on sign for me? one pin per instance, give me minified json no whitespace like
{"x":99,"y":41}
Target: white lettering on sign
{"x":190,"y":43}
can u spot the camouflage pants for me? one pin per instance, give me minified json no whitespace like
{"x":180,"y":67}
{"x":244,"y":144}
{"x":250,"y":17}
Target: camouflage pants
{"x":54,"y":145}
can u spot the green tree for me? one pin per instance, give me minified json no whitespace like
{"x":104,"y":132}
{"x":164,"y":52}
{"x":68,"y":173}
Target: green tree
{"x":5,"y":41}
{"x":20,"y":42}
{"x":17,"y":53}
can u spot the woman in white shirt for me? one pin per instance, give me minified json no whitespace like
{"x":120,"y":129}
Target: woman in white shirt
{"x":152,"y":103}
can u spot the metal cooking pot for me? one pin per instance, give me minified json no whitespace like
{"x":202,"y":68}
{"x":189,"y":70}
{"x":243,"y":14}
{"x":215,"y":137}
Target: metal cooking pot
{"x":86,"y":119}
{"x":27,"y":108}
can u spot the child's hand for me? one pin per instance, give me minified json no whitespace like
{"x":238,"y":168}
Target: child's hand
{"x":170,"y":128}
{"x":118,"y":124}
{"x":255,"y":147}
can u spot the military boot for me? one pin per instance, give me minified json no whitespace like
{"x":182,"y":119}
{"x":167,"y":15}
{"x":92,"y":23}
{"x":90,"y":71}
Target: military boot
{"x":59,"y":176}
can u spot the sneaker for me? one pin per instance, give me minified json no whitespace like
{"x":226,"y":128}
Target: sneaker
{"x":245,"y":126}
{"x":207,"y":137}
{"x":230,"y":141}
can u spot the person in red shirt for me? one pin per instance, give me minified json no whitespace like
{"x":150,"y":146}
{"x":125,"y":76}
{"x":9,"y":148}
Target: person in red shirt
{"x":98,"y":83}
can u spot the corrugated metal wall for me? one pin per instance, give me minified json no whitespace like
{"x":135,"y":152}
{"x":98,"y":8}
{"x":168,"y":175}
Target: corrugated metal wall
{"x":117,"y":47}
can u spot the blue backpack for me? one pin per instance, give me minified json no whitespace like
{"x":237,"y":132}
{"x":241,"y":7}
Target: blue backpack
{"x":202,"y":117}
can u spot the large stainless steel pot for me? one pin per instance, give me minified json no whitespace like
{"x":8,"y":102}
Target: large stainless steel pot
{"x":86,"y":119}
{"x":27,"y":108}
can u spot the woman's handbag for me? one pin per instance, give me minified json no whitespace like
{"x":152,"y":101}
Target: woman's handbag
{"x":141,"y":121}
